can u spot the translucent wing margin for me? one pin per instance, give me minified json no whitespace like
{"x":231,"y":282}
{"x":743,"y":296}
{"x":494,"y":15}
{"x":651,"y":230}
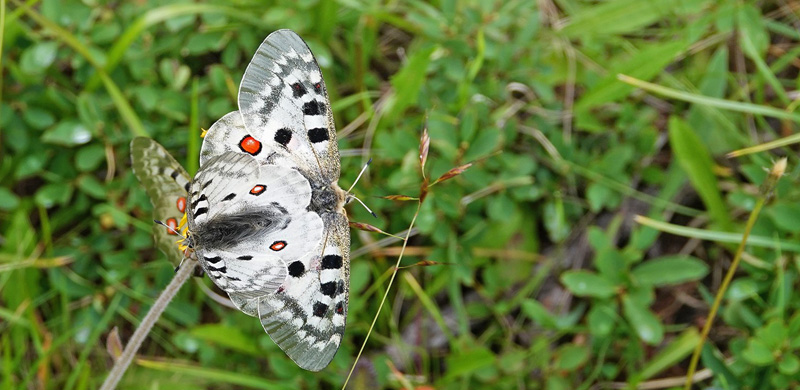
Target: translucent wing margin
{"x":167,"y":185}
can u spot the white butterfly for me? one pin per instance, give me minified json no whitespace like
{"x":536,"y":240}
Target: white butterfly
{"x":265,"y":214}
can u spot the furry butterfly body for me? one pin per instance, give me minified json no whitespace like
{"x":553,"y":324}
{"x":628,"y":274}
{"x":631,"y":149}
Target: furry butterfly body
{"x":265,"y":214}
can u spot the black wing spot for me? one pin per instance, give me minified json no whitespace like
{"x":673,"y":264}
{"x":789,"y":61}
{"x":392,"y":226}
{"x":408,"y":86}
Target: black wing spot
{"x":200,"y":199}
{"x":174,"y":174}
{"x":340,"y":308}
{"x":318,"y":134}
{"x":320,"y":309}
{"x":314,"y":107}
{"x":340,"y":287}
{"x":229,"y":197}
{"x":283,"y":136}
{"x":296,"y":269}
{"x":298,"y":90}
{"x":223,"y":269}
{"x":212,"y":260}
{"x":206,"y":184}
{"x":235,"y":279}
{"x":328,"y":289}
{"x":245,"y":257}
{"x":332,"y":262}
{"x":200,"y":211}
{"x":187,"y":186}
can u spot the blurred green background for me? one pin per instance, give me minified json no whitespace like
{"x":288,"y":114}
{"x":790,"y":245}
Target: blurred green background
{"x":542,"y":279}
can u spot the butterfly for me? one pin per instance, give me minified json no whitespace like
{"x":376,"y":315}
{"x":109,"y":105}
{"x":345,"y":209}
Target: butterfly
{"x":265,"y":214}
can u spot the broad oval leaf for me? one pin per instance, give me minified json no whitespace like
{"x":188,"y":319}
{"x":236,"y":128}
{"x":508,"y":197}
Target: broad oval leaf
{"x":588,"y":284}
{"x":669,"y":270}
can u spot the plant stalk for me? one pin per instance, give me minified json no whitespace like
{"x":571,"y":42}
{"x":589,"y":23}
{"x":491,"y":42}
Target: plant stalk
{"x":124,"y":361}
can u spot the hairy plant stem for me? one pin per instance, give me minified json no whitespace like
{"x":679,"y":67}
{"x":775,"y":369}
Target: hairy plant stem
{"x":124,"y":361}
{"x":765,"y":193}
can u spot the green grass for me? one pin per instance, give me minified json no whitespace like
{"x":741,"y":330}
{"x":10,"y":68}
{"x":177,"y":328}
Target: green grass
{"x":583,"y":249}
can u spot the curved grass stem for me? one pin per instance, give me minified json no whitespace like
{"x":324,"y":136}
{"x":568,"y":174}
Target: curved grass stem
{"x":766,"y":192}
{"x":141,"y":332}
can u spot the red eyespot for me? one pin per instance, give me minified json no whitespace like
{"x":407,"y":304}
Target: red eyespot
{"x":181,"y":203}
{"x":278,"y":245}
{"x":317,"y":86}
{"x":173,"y":226}
{"x":250,"y":145}
{"x":258,"y":189}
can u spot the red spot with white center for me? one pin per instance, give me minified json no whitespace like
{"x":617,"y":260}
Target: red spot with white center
{"x":250,"y":145}
{"x":278,"y":245}
{"x":258,"y":189}
{"x":181,"y":203}
{"x":173,"y":226}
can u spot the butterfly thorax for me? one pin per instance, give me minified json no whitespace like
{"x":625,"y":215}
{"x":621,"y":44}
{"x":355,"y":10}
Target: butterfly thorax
{"x":327,"y":198}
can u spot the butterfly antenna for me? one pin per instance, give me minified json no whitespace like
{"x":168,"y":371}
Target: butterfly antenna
{"x":365,"y":206}
{"x":168,"y":227}
{"x":350,"y":194}
{"x":359,"y":176}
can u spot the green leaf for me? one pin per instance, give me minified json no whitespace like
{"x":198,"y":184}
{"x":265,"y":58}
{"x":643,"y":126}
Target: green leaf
{"x":38,"y":118}
{"x":677,"y":350}
{"x":620,"y":16}
{"x":570,"y":357}
{"x":588,"y":284}
{"x":91,"y":186}
{"x":38,"y":57}
{"x":89,"y":157}
{"x":789,"y":364}
{"x":741,"y":289}
{"x":669,"y":270}
{"x":68,"y":133}
{"x":601,"y":319}
{"x":758,"y":353}
{"x":408,"y":81}
{"x":537,"y":312}
{"x":785,"y":215}
{"x":695,"y":160}
{"x":468,"y":361}
{"x":644,"y":65}
{"x":50,"y":195}
{"x":8,"y":200}
{"x":648,"y":327}
{"x":226,"y":336}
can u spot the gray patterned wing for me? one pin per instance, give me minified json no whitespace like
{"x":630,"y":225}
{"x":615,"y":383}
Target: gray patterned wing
{"x":248,"y":222}
{"x":307,"y":319}
{"x":284,"y":105}
{"x":167,"y":184}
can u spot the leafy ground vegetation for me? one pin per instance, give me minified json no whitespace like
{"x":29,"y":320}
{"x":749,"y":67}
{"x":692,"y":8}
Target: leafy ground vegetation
{"x":582,"y":250}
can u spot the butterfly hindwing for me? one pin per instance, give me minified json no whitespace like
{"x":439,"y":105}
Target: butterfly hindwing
{"x":246,"y":219}
{"x":308,"y":319}
{"x":167,"y":184}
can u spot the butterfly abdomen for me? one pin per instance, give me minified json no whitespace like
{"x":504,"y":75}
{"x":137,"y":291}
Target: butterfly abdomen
{"x":228,"y":230}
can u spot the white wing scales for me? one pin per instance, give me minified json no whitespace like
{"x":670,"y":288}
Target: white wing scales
{"x":319,"y":313}
{"x":283,"y":136}
{"x":284,"y":104}
{"x":246,"y":219}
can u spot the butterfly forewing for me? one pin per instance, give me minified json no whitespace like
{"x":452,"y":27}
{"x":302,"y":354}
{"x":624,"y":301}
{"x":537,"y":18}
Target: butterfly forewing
{"x":283,"y":98}
{"x":166,"y":183}
{"x":247,"y":219}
